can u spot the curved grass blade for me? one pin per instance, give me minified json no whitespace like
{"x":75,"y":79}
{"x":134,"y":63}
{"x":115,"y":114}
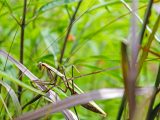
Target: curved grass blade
{"x":9,"y":115}
{"x":102,"y":94}
{"x":14,"y":97}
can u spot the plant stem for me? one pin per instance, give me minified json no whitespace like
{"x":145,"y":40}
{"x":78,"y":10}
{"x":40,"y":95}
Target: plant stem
{"x":22,"y":45}
{"x":150,"y":109}
{"x":155,"y":111}
{"x":122,"y":106}
{"x":68,"y":31}
{"x":146,"y":19}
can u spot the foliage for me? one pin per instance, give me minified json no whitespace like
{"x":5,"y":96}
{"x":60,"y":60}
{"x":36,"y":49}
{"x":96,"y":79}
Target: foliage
{"x":91,"y":44}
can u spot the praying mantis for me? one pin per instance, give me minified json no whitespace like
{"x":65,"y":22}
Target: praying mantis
{"x":74,"y":89}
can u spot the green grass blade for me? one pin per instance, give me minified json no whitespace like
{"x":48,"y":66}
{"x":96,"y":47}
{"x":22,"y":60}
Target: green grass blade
{"x":9,"y":115}
{"x":101,"y":94}
{"x":14,"y":80}
{"x":148,"y":44}
{"x":14,"y":97}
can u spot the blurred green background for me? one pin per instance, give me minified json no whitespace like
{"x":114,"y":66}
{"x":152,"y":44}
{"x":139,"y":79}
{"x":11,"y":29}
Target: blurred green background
{"x":94,"y":44}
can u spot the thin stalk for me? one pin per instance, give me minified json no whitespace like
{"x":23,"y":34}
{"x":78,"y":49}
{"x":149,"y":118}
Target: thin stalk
{"x":69,"y":15}
{"x":95,"y":72}
{"x":31,"y":101}
{"x":157,"y":83}
{"x":155,"y":112}
{"x":145,"y":21}
{"x":22,"y":44}
{"x":122,"y":107}
{"x":68,"y":31}
{"x":72,"y":92}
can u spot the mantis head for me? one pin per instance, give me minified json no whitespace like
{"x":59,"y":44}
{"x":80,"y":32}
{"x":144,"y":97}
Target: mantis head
{"x":40,"y":65}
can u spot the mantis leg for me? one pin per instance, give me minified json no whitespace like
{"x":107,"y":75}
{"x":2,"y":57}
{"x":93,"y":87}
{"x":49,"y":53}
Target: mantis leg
{"x":72,"y":92}
{"x":73,"y":67}
{"x":65,"y":81}
{"x":49,"y":72}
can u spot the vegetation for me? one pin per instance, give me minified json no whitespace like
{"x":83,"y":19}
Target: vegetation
{"x":79,"y":59}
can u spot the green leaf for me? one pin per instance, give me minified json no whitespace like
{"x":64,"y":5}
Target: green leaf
{"x":13,"y":96}
{"x":5,"y":75}
{"x":9,"y":115}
